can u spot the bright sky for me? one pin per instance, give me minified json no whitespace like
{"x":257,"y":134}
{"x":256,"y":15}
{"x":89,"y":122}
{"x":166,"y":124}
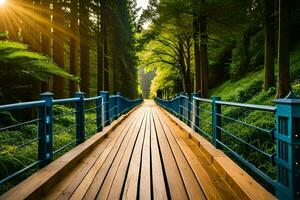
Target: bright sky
{"x":143,"y":4}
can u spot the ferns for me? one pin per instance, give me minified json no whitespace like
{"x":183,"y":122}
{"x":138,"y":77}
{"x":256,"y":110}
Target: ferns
{"x":15,"y":58}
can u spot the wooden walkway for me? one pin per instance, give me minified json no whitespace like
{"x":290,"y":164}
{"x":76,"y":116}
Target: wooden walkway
{"x":146,"y":156}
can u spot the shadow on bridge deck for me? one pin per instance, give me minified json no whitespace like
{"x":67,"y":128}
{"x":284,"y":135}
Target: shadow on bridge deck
{"x":148,"y":154}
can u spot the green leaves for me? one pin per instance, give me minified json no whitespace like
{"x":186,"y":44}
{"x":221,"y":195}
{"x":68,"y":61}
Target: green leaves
{"x":16,"y":59}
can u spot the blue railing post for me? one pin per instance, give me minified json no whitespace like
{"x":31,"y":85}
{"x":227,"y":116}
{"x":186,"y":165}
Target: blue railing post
{"x":287,"y":138}
{"x":189,"y":109}
{"x":99,"y":110}
{"x":216,"y":121}
{"x":195,"y":111}
{"x":118,"y":104}
{"x":80,"y":127}
{"x":181,"y":104}
{"x":45,"y":151}
{"x":105,"y":97}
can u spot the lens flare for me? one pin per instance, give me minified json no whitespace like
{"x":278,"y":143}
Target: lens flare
{"x":2,"y":2}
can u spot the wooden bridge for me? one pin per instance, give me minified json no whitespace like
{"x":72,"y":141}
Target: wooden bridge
{"x":145,"y":154}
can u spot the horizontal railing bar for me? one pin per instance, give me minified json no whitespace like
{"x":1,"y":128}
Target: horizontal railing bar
{"x":202,"y":99}
{"x":269,"y":132}
{"x":63,"y":147}
{"x":249,"y":165}
{"x":93,"y":98}
{"x":244,"y":105}
{"x":64,"y":129}
{"x":22,"y":105}
{"x":68,"y":100}
{"x":27,"y":143}
{"x":246,"y":143}
{"x":19,"y":124}
{"x":19,"y":172}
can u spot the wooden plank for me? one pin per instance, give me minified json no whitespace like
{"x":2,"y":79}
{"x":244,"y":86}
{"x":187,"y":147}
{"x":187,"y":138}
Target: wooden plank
{"x":70,"y":183}
{"x":132,"y":179}
{"x":174,"y":180}
{"x":145,"y":180}
{"x":191,"y":183}
{"x":92,"y":182}
{"x":65,"y":188}
{"x":38,"y":184}
{"x":192,"y":153}
{"x":244,"y":186}
{"x":113,"y":184}
{"x":158,"y":182}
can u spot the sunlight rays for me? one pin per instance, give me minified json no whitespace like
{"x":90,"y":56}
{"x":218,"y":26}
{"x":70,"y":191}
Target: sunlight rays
{"x":25,"y":21}
{"x":2,"y":2}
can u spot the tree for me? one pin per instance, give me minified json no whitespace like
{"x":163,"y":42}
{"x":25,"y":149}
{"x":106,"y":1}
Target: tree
{"x":203,"y":52}
{"x":284,"y":82}
{"x":73,"y":43}
{"x":45,"y":37}
{"x":58,"y":47}
{"x":84,"y":46}
{"x":196,"y":38}
{"x":100,"y":49}
{"x":269,"y":32}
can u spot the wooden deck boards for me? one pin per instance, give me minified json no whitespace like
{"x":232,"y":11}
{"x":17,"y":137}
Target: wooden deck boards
{"x":147,"y":156}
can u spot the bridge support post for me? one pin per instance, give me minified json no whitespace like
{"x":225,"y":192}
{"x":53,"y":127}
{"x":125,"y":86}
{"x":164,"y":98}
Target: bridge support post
{"x":189,"y":109}
{"x":216,"y":122}
{"x":80,"y":127}
{"x":99,"y":110}
{"x":181,"y":105}
{"x":45,"y":144}
{"x":195,"y":112}
{"x":287,"y":138}
{"x":118,"y":104}
{"x":105,"y":117}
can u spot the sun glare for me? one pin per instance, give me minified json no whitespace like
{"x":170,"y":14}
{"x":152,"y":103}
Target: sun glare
{"x":2,"y":2}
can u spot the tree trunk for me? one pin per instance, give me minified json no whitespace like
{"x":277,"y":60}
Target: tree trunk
{"x":46,"y":42}
{"x":100,"y":49}
{"x":35,"y":45}
{"x":284,"y":82}
{"x":105,"y":54}
{"x":182,"y":66}
{"x":58,"y":48}
{"x":269,"y":32}
{"x":245,"y":57}
{"x":84,"y":47}
{"x":196,"y":30}
{"x":73,"y":44}
{"x":203,"y":55}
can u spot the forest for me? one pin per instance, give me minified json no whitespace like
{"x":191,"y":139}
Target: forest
{"x":196,"y":46}
{"x":243,"y":51}
{"x":78,"y":45}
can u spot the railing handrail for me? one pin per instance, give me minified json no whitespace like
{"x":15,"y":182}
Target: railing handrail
{"x":285,"y":136}
{"x":21,"y":105}
{"x":104,"y":111}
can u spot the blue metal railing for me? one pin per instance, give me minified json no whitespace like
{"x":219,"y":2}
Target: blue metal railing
{"x":94,"y":113}
{"x":262,"y":148}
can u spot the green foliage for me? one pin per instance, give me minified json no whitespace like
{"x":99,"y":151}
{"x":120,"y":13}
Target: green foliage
{"x":14,"y":156}
{"x":27,"y":63}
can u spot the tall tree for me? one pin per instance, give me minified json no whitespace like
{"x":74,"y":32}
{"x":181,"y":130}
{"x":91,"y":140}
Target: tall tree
{"x":73,"y":43}
{"x":284,"y":82}
{"x":45,"y":35}
{"x":100,"y":51}
{"x":84,"y":46}
{"x":203,"y":52}
{"x":269,"y":32}
{"x":196,"y":35}
{"x":58,"y":46}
